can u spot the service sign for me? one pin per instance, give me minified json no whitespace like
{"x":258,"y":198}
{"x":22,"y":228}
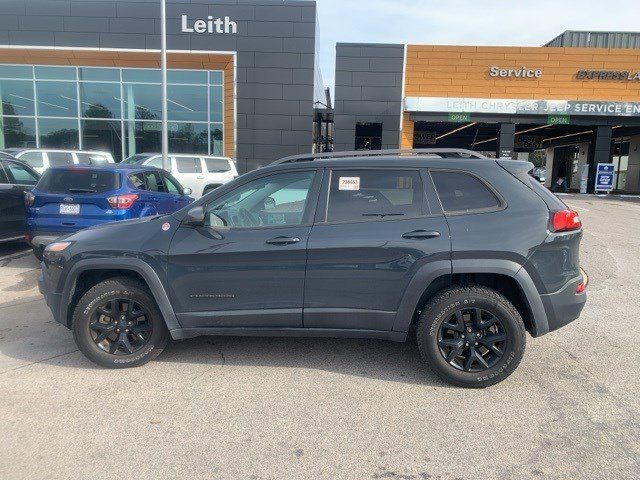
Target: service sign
{"x":604,"y":177}
{"x":513,"y":106}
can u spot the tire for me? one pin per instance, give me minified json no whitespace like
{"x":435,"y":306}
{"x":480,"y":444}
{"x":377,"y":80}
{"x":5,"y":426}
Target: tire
{"x":461,"y":306}
{"x":38,"y":252}
{"x":149,"y":326}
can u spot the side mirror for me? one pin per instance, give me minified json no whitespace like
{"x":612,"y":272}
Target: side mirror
{"x":187,"y":191}
{"x":195,"y":217}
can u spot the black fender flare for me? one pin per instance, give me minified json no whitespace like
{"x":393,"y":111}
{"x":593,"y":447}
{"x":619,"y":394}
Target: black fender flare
{"x":418,"y":284}
{"x":431,"y":271}
{"x":131,"y":264}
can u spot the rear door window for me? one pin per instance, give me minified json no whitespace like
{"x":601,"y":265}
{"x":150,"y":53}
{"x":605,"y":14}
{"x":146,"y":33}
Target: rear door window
{"x":462,"y":192}
{"x":217,"y":165}
{"x":154,"y":182}
{"x":19,"y":174}
{"x":35,"y":159}
{"x":92,"y":158}
{"x":172,"y":185}
{"x":188,"y":164}
{"x":3,"y":175}
{"x":78,"y":180}
{"x":360,"y":195}
{"x":156,"y":162}
{"x":60,"y":159}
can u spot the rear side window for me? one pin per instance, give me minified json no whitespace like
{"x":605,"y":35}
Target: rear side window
{"x":217,"y":165}
{"x":92,"y":158}
{"x":357,"y":195}
{"x":462,"y":192}
{"x":137,"y":179}
{"x":78,"y":180}
{"x":188,"y":164}
{"x":59,"y":159}
{"x":33,"y":158}
{"x":21,"y":176}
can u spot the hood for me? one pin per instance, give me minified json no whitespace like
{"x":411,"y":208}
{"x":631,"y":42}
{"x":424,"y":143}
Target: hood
{"x":126,"y":236}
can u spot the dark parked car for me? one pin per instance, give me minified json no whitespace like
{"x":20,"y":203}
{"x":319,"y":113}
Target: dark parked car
{"x":16,"y":178}
{"x":464,"y":252}
{"x":68,"y":199}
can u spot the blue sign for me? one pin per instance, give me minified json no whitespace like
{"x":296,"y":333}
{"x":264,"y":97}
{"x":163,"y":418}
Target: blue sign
{"x":604,"y":177}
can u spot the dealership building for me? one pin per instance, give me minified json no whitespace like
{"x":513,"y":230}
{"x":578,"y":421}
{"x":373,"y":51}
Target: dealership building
{"x":85,"y":74}
{"x":574,"y":102}
{"x":243,"y":79}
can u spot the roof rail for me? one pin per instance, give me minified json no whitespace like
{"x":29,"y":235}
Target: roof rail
{"x":441,"y":152}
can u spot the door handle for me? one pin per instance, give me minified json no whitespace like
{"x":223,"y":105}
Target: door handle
{"x":420,"y":235}
{"x":282,"y":240}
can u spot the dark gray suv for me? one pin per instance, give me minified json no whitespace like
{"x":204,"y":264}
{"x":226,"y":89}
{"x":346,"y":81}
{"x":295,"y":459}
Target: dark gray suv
{"x":464,"y":253}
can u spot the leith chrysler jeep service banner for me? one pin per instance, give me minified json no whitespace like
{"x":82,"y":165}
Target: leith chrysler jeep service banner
{"x":523,"y":107}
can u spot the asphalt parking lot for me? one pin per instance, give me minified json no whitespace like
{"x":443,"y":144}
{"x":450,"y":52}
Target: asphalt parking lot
{"x":272,"y":408}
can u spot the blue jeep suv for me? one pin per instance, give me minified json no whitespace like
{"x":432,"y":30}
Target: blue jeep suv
{"x":464,"y":253}
{"x":70,"y":198}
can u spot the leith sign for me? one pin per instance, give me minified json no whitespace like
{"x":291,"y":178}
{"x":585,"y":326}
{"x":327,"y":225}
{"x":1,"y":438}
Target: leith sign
{"x":210,"y":25}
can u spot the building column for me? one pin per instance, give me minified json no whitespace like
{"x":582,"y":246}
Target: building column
{"x":599,"y":152}
{"x":506,"y":139}
{"x":406,"y":134}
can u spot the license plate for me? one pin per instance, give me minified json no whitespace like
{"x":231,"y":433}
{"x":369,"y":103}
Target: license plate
{"x":70,"y":209}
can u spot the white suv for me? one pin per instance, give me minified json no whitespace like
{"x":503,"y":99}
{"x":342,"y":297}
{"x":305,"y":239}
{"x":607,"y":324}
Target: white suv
{"x":42,"y":158}
{"x":201,"y":173}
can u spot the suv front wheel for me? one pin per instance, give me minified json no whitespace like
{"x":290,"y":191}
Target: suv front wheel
{"x":471,"y":336}
{"x":117,"y":324}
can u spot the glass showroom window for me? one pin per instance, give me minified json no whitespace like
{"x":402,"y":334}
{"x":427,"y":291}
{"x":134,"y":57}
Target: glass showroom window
{"x":112,"y":109}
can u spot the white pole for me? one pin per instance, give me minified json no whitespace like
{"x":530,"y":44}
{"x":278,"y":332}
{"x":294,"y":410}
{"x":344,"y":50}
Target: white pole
{"x":163,"y":40}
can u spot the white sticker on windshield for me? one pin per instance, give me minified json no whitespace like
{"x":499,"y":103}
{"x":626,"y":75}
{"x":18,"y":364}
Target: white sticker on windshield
{"x":349,"y":183}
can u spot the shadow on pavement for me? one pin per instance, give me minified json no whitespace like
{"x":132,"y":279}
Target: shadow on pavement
{"x":28,"y":335}
{"x":376,"y":359}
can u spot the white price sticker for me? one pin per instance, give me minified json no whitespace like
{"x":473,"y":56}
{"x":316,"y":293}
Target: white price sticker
{"x":349,"y":183}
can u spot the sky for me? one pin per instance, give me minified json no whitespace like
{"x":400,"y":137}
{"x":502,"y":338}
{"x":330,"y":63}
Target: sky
{"x":463,"y":22}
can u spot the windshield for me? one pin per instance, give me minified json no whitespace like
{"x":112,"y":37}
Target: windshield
{"x":78,"y":181}
{"x":138,"y":158}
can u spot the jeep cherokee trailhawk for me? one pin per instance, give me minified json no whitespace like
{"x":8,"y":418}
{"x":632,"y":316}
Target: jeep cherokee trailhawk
{"x":461,"y":252}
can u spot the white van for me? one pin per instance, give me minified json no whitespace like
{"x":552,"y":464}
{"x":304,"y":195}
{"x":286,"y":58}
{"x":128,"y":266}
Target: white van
{"x":200,"y":173}
{"x":42,"y":158}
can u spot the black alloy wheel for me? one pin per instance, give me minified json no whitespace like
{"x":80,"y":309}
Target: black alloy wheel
{"x":471,"y":336}
{"x":472,"y":339}
{"x":121,"y":326}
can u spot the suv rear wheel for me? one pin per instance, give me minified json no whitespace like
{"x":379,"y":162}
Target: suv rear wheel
{"x":117,"y":324}
{"x":471,"y":336}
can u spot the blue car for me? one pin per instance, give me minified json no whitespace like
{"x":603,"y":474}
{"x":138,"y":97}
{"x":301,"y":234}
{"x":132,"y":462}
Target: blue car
{"x":70,"y":198}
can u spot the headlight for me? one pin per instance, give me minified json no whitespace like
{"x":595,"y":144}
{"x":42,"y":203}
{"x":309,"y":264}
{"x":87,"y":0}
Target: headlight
{"x":57,"y":246}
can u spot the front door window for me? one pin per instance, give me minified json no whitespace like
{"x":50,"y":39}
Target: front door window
{"x":276,"y":200}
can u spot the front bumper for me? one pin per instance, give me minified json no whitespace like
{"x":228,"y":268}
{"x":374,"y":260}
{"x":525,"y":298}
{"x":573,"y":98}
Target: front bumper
{"x":41,"y":240}
{"x":565,"y":305}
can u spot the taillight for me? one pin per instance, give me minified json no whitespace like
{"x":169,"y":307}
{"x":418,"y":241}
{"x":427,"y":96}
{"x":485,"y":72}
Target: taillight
{"x":29,"y":198}
{"x":122,"y":202}
{"x":565,"y":220}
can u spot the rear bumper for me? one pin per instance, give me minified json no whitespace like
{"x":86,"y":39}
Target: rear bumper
{"x":565,"y":305}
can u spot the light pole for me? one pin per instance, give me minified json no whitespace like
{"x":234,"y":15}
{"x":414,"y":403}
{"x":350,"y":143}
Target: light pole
{"x":163,"y":55}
